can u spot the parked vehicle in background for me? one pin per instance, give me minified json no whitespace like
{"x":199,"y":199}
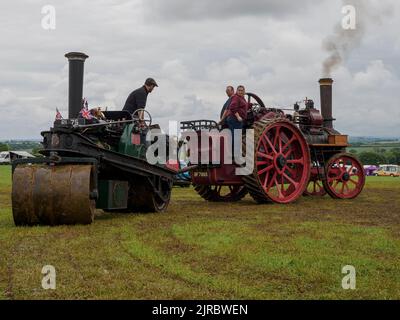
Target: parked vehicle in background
{"x":6,"y":157}
{"x":388,"y":170}
{"x":370,"y":170}
{"x":182,"y":179}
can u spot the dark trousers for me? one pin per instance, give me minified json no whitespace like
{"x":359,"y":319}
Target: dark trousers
{"x":234,"y":124}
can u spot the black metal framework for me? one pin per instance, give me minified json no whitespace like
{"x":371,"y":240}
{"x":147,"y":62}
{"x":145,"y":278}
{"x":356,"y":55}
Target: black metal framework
{"x":198,"y":125}
{"x":320,"y":157}
{"x":55,"y":160}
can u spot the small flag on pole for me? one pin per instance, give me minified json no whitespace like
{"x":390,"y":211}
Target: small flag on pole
{"x":85,"y":113}
{"x":58,"y":114}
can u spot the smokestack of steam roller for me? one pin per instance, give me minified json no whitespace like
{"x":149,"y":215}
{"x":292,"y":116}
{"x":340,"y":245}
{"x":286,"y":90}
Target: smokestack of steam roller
{"x":326,"y":101}
{"x":76,"y":64}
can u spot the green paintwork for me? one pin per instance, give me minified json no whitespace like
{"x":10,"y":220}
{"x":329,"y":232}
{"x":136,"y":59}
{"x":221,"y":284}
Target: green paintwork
{"x":113,"y":194}
{"x":126,"y":147}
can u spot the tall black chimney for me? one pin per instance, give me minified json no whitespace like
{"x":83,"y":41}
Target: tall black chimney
{"x":76,"y":62}
{"x":326,"y":101}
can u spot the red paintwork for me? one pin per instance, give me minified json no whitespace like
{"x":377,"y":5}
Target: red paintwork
{"x":283,"y":162}
{"x":311,"y":121}
{"x":345,"y":177}
{"x":283,"y":183}
{"x":315,"y":186}
{"x":135,"y":139}
{"x":210,"y":147}
{"x":223,"y":175}
{"x":173,"y":165}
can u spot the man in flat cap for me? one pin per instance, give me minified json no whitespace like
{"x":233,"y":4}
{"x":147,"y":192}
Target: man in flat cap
{"x":138,"y":98}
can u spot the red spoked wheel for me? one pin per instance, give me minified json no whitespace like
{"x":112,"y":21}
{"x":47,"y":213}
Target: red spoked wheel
{"x":218,"y":193}
{"x":282,"y":162}
{"x":345,"y":177}
{"x":315,"y":186}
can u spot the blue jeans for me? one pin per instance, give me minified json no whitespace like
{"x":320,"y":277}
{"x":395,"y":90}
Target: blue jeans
{"x":234,"y":124}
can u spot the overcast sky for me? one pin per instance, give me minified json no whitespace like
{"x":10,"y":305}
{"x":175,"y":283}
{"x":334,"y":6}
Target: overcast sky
{"x":194,"y":49}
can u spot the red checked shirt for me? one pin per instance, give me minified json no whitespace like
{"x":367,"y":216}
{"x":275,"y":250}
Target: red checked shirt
{"x":238,"y":105}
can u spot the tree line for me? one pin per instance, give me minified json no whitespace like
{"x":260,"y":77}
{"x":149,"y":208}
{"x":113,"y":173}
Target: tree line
{"x":31,"y":146}
{"x":378,"y":156}
{"x":4,"y":147}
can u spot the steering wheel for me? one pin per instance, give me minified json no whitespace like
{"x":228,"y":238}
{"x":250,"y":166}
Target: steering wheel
{"x":257,"y":99}
{"x":146,"y":121}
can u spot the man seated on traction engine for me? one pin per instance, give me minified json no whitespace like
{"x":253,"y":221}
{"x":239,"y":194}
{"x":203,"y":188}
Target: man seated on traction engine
{"x":230,"y":91}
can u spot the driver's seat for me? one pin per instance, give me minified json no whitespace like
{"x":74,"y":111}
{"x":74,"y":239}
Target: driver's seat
{"x":117,"y":115}
{"x":155,"y":126}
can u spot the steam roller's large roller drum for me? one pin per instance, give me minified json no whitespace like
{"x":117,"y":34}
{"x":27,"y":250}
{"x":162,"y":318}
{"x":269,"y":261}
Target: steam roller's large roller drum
{"x":53,"y":194}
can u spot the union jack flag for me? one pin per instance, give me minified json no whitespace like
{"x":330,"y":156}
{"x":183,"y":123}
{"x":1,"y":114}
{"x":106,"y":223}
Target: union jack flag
{"x":58,"y":114}
{"x":85,"y":113}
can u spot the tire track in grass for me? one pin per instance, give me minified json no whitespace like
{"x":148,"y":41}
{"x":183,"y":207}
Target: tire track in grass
{"x":144,"y":262}
{"x":173,"y":266}
{"x":157,"y":269}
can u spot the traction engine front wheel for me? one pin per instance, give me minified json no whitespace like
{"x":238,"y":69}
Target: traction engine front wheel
{"x":345,"y":177}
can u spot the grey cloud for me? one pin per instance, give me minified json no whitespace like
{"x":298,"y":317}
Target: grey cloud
{"x":342,"y":42}
{"x":223,"y":9}
{"x":193,"y":60}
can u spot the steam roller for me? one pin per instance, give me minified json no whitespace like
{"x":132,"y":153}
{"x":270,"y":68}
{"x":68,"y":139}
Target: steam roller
{"x":89,"y":164}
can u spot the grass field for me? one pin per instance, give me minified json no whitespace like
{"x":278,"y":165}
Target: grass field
{"x":375,"y":147}
{"x":201,"y":250}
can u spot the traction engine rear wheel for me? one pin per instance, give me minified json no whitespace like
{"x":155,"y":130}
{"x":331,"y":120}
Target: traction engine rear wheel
{"x":345,"y":177}
{"x":221,"y":193}
{"x":282,"y":162}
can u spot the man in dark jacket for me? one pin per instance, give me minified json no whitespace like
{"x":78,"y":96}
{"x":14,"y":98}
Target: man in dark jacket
{"x":138,"y":98}
{"x":224,"y":112}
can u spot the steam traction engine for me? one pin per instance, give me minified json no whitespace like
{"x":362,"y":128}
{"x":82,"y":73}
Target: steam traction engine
{"x":294,"y":155}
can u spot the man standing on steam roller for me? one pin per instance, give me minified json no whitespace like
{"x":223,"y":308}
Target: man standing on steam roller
{"x":138,"y":98}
